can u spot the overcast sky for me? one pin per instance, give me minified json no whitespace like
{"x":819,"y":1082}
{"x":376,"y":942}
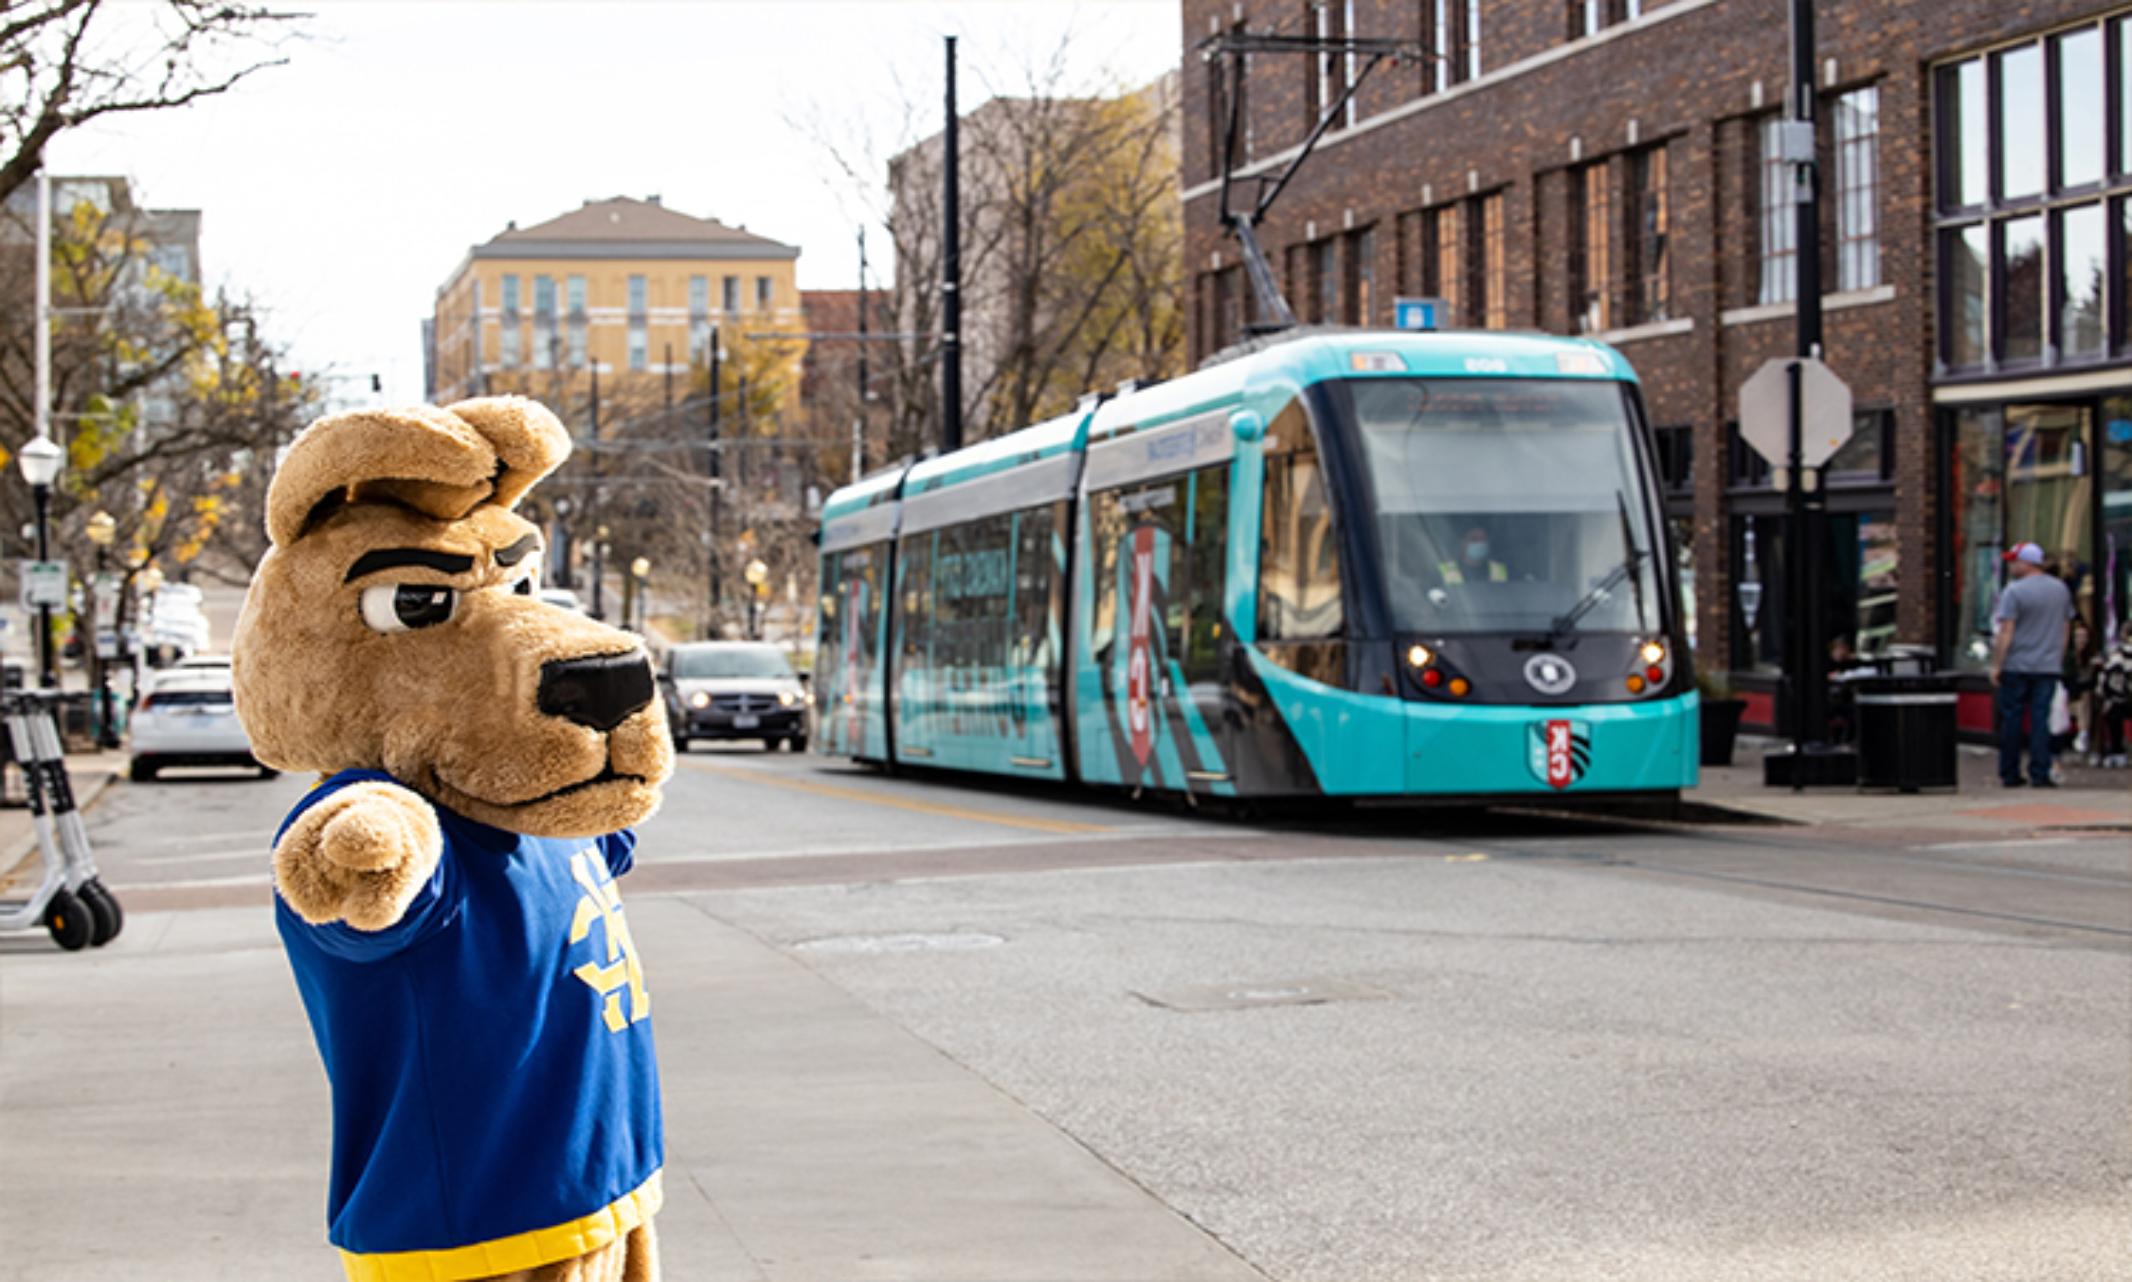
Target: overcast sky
{"x":342,"y":189}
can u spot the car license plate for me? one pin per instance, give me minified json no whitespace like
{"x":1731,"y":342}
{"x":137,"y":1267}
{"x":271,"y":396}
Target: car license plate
{"x":746,"y":722}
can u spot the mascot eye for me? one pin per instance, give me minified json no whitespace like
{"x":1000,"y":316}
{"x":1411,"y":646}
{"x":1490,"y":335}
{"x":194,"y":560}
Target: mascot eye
{"x":524,"y":587}
{"x":403,"y":607}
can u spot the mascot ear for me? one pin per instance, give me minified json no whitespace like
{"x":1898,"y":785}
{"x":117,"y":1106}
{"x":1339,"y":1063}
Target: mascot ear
{"x":529,"y":441}
{"x":440,"y":462}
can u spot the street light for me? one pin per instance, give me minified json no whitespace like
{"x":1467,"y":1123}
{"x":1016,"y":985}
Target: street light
{"x":639,"y":570}
{"x":41,"y":461}
{"x":102,"y":529}
{"x":758,"y":576}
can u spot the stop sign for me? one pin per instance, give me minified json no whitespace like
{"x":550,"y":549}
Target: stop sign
{"x":1765,"y":411}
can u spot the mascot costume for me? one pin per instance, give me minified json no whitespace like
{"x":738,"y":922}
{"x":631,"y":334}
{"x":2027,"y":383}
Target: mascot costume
{"x":446,"y":894}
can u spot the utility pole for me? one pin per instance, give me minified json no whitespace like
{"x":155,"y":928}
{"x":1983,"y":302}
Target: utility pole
{"x":950,"y":275}
{"x":858,"y":420}
{"x":712,"y":469}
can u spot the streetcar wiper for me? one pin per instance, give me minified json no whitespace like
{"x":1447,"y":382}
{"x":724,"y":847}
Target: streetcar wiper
{"x":1566,"y":623}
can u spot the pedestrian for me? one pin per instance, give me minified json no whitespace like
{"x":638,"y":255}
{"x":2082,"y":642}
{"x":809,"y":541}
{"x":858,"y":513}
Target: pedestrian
{"x":2113,"y":695}
{"x":2032,"y":618}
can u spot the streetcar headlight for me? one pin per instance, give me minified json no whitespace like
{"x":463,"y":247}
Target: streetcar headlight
{"x":1419,"y":655}
{"x":700,"y":699}
{"x":1653,"y":652}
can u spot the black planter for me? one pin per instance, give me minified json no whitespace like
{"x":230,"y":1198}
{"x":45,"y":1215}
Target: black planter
{"x":1720,"y":726}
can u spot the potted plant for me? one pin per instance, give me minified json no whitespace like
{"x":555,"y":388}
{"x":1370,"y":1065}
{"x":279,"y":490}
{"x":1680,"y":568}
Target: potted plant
{"x":1720,"y":712}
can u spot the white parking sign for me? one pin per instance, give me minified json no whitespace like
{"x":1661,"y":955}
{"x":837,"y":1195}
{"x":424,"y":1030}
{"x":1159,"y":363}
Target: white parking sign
{"x":44,"y":583}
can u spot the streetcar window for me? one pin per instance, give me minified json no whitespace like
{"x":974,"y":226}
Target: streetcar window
{"x":1183,"y":523}
{"x":1299,"y":603}
{"x":1507,"y":505}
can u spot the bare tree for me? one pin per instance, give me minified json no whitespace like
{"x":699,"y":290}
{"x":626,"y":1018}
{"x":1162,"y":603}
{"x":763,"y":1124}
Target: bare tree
{"x":64,"y":63}
{"x":1071,"y":242}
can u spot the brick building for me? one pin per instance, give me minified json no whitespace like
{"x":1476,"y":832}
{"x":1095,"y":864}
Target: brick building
{"x":1606,"y":167}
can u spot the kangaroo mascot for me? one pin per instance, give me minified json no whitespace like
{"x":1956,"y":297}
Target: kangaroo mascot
{"x":446,"y":894}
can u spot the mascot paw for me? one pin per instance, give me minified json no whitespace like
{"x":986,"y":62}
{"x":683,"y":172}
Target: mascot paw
{"x":359,"y":856}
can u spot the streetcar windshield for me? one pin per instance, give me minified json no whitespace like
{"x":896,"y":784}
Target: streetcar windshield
{"x":1507,"y":505}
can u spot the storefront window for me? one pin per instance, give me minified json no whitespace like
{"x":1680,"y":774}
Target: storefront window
{"x":2116,"y":548}
{"x":1858,"y":586}
{"x":1978,"y":488}
{"x":1963,"y":164}
{"x":2049,"y":491}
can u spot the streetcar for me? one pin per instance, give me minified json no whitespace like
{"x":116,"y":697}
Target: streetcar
{"x":1360,"y":564}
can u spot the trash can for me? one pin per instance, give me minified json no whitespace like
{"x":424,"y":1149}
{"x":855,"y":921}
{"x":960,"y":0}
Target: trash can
{"x":1905,"y":732}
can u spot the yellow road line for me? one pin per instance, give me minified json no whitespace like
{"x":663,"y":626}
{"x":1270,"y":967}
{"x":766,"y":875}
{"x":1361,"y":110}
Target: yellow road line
{"x":872,"y":798}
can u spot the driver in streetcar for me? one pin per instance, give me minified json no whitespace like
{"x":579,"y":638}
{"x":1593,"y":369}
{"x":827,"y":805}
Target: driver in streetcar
{"x":1472,"y":564}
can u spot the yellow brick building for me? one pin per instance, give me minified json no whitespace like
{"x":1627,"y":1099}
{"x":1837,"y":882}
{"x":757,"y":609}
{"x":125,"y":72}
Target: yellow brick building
{"x":627,"y":287}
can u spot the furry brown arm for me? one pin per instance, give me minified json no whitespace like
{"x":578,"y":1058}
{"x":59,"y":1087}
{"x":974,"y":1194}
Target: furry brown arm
{"x":359,"y":856}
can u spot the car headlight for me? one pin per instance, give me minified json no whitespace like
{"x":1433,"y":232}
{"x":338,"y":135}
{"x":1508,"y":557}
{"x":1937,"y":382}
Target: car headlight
{"x":700,"y":699}
{"x":787,"y":698}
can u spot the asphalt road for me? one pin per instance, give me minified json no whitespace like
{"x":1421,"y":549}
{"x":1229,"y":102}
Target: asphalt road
{"x":1407,"y":1045}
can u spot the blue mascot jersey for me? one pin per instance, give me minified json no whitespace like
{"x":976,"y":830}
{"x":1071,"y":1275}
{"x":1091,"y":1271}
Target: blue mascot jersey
{"x":495,"y":1097}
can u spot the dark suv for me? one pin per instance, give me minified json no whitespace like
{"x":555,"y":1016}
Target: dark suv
{"x":733,"y":690}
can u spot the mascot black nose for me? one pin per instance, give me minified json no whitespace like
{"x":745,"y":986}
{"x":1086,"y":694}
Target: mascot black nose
{"x":599,"y":691}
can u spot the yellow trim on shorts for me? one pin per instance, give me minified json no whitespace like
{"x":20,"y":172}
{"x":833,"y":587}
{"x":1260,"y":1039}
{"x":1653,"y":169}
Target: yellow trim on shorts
{"x":527,"y":1250}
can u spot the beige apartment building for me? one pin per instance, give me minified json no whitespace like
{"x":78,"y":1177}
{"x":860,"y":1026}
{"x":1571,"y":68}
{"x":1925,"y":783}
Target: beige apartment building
{"x":625,"y":287}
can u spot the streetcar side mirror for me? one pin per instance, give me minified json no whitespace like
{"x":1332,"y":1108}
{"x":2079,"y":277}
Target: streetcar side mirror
{"x":1249,"y":425}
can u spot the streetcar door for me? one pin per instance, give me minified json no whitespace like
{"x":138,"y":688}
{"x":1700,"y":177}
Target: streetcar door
{"x":1150,"y":676}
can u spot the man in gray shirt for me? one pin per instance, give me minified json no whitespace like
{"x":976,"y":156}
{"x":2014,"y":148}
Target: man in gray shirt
{"x":2027,"y":660}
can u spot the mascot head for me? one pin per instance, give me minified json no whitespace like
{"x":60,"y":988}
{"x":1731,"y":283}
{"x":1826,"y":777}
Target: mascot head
{"x":395,"y":624}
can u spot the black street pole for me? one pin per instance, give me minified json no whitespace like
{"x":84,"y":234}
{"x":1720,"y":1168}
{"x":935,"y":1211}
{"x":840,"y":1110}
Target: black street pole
{"x":950,"y":276}
{"x":599,"y":467}
{"x":48,"y":666}
{"x":712,"y":469}
{"x":106,"y":733}
{"x":858,"y":436}
{"x":1805,"y":501}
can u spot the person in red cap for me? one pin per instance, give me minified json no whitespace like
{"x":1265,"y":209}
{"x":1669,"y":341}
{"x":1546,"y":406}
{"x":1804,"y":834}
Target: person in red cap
{"x":2027,"y":660}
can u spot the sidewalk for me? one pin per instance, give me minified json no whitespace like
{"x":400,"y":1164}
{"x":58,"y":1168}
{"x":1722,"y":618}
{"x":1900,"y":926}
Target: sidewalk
{"x":166,"y":1117}
{"x":2091,"y":799}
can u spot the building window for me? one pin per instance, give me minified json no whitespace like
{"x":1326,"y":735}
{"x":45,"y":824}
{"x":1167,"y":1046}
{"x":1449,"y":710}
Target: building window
{"x":544,"y":322}
{"x":1440,"y":257}
{"x":729,"y":295}
{"x":1651,"y":208}
{"x":512,"y":354}
{"x":1360,"y":287}
{"x":639,"y":324}
{"x":2076,"y":119}
{"x":1457,"y":41}
{"x":763,"y":293}
{"x":1228,"y":92}
{"x":2018,"y":473}
{"x":699,"y":317}
{"x":1494,"y":288}
{"x":2028,"y":191}
{"x":510,"y":298}
{"x":1325,"y":282}
{"x":1332,"y":21}
{"x":1858,"y":189}
{"x":1676,"y":459}
{"x":1779,"y":225}
{"x":574,"y":301}
{"x":1590,"y":17}
{"x":1591,"y":263}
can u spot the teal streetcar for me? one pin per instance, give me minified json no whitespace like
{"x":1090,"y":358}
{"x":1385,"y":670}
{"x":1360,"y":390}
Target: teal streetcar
{"x":1358,"y":564}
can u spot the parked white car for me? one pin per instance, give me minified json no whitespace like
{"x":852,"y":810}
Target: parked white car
{"x":188,"y":718}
